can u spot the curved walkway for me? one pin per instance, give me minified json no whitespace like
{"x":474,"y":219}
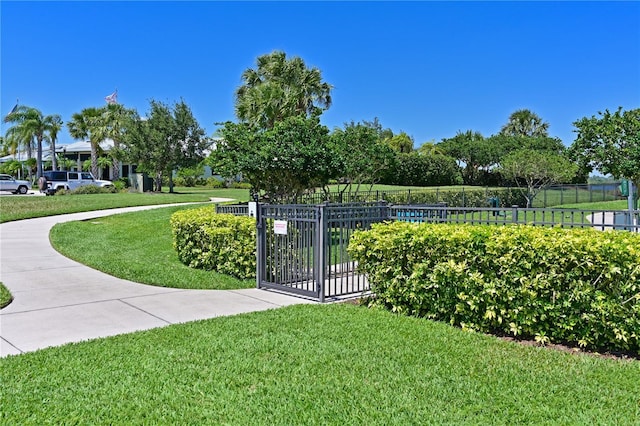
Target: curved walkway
{"x":58,"y":300}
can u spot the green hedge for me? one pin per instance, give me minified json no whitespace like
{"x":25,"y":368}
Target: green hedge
{"x":459,"y":198}
{"x":576,"y":286}
{"x":88,"y":189}
{"x":221,"y":242}
{"x":454,"y":197}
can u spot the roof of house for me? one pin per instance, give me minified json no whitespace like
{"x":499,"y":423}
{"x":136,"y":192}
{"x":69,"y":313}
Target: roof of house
{"x":84,"y":146}
{"x":72,"y":148}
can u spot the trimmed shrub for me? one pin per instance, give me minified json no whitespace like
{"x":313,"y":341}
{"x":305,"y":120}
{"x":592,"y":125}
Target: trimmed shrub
{"x":122,"y":183}
{"x":241,"y":185}
{"x":221,"y":242}
{"x":88,"y":189}
{"x":189,"y":181}
{"x":576,"y":286}
{"x":413,"y":169}
{"x":214,"y":183}
{"x":458,"y":197}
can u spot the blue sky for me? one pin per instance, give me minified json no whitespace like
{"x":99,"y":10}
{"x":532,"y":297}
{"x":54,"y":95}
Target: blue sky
{"x":427,"y":68}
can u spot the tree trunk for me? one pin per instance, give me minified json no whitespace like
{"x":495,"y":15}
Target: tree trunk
{"x":29,"y":149}
{"x":171,"y":183}
{"x":158,"y":185}
{"x":54,"y":160}
{"x":94,"y":159}
{"x":39,"y":158}
{"x":115,"y":169}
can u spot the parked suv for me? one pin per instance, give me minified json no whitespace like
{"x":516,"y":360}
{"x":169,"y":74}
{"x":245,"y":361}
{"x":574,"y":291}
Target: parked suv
{"x":52,"y":181}
{"x":9,"y":183}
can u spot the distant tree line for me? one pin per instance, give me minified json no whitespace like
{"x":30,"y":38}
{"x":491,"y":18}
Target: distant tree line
{"x":279,"y":146}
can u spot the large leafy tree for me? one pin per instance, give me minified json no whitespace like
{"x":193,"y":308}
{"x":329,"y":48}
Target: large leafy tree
{"x":281,"y":162}
{"x":279,"y":88}
{"x":472,"y":151}
{"x":609,"y":143}
{"x":533,"y":170}
{"x":31,"y":124}
{"x":503,"y":145}
{"x":88,"y":124}
{"x":169,"y":138}
{"x":525,"y":123}
{"x":364,"y":157}
{"x":383,"y":134}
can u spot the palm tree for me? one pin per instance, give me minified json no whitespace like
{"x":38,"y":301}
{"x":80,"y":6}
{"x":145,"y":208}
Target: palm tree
{"x":56,"y":126}
{"x":279,"y":88}
{"x":431,"y":149}
{"x":525,"y":123}
{"x":103,"y":162}
{"x":115,"y":119}
{"x":87,"y":125}
{"x":18,"y":138}
{"x":30,"y":121}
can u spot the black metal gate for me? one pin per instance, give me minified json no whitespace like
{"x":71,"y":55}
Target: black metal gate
{"x":302,"y":249}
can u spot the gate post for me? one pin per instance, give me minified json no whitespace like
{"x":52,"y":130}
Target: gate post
{"x":260,"y":245}
{"x":319,"y":271}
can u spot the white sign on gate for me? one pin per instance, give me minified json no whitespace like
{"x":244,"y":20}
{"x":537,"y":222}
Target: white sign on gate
{"x":280,"y":227}
{"x":253,"y":209}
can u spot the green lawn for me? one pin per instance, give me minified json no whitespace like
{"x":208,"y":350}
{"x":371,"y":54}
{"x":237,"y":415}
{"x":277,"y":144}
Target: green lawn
{"x":24,"y":207}
{"x":538,"y":217}
{"x":138,"y":247}
{"x":315,"y":364}
{"x":555,"y":197}
{"x":603,"y":205}
{"x":557,"y":216}
{"x":308,"y":364}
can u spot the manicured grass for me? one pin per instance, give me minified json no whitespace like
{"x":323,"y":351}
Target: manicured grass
{"x":506,"y":217}
{"x":555,"y":197}
{"x":25,"y":207}
{"x":5,"y":296}
{"x":138,"y":247}
{"x":602,"y":205}
{"x":556,"y":217}
{"x":315,"y":364}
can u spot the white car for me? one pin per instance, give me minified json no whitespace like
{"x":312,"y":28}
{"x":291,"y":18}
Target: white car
{"x":9,"y":183}
{"x":53,"y":181}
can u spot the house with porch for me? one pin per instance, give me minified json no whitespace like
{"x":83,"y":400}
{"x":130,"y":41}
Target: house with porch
{"x":80,"y":151}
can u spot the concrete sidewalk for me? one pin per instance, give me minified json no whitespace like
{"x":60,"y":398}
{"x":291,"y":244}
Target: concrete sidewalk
{"x":58,"y":301}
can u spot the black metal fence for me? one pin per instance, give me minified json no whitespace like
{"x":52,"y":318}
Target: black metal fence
{"x":604,"y":220}
{"x":235,"y":209}
{"x":473,"y":196}
{"x":302,"y":249}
